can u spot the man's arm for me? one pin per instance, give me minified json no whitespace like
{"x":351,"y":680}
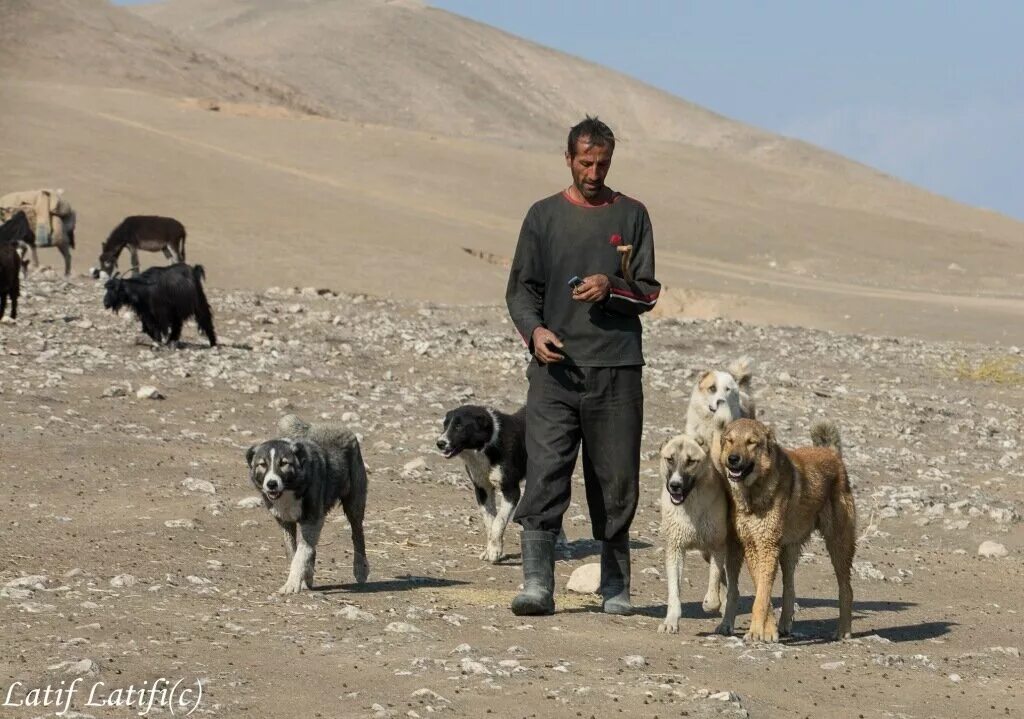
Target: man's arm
{"x":524,"y":294}
{"x":640,"y":295}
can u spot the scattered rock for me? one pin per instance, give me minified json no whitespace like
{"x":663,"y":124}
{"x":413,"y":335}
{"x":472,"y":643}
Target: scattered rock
{"x":992,"y":550}
{"x":585,"y":579}
{"x":634,"y":661}
{"x":149,"y":392}
{"x":198,"y":485}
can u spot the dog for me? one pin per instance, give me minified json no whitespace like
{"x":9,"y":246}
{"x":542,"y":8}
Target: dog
{"x":492,"y":445}
{"x":301,"y":477}
{"x":694,"y":515}
{"x":719,"y":398}
{"x":778,"y":497}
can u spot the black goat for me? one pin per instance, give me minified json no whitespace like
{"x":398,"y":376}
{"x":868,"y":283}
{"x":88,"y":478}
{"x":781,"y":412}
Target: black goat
{"x":163,"y":298}
{"x":10,"y":264}
{"x":18,"y":233}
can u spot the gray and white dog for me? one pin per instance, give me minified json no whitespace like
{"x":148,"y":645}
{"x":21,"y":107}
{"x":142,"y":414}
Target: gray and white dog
{"x":301,"y":477}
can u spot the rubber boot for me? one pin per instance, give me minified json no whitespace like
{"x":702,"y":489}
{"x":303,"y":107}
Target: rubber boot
{"x":615,"y":577}
{"x":538,"y":595}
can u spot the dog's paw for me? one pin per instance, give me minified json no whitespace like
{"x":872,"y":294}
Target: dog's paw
{"x":768,"y":633}
{"x":842,"y":635}
{"x":292,"y":587}
{"x":669,"y":626}
{"x":712,"y":604}
{"x":491,"y":554}
{"x":724,"y":628}
{"x":360,"y":568}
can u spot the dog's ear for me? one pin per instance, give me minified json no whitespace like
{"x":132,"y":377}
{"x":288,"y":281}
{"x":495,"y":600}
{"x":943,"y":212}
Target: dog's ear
{"x":665,"y":452}
{"x":249,"y":454}
{"x":301,"y":453}
{"x":769,"y":438}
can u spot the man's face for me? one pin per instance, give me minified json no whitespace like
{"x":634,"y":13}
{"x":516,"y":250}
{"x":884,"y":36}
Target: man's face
{"x":589,"y":167}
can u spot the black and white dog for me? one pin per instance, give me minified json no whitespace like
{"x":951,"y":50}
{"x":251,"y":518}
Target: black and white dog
{"x":492,"y":445}
{"x":301,"y":477}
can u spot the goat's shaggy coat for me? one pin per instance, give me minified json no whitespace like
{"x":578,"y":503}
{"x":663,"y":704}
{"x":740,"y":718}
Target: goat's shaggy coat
{"x":10,"y":265}
{"x":163,"y":298}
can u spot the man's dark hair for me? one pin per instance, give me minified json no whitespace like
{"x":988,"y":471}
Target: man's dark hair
{"x":593,"y":130}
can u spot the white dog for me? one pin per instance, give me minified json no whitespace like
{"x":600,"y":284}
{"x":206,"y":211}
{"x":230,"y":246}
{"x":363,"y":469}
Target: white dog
{"x":717,"y":399}
{"x":694,"y":515}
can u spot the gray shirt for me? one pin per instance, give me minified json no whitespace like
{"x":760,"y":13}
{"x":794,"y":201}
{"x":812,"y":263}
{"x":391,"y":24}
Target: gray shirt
{"x":561,"y":239}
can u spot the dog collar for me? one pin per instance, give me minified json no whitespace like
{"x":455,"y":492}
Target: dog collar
{"x":493,"y":441}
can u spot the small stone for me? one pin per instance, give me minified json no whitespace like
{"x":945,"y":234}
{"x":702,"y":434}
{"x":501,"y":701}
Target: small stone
{"x":180,"y":524}
{"x":354,"y":614}
{"x":725,"y":697}
{"x":634,"y":661}
{"x":149,"y":392}
{"x":992,"y":550}
{"x":33,"y":581}
{"x":402,"y":628}
{"x":469,"y":666}
{"x":250,"y":503}
{"x":830,"y":666}
{"x":429,"y":695}
{"x":198,"y":485}
{"x":585,"y":579}
{"x":955,"y":678}
{"x":123,"y":580}
{"x":866,"y":570}
{"x":116,"y":391}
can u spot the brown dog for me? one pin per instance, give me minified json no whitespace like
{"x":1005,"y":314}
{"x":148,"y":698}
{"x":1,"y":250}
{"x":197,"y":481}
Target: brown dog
{"x":779,"y":496}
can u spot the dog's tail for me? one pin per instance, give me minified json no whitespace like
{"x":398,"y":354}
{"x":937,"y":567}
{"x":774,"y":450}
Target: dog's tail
{"x":198,"y":273}
{"x":743,"y":369}
{"x":291,"y":426}
{"x":825,"y":433}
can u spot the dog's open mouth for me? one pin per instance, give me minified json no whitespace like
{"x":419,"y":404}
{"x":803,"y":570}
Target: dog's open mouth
{"x":677,"y":497}
{"x":740,"y":473}
{"x":449,"y":453}
{"x":272,"y":495}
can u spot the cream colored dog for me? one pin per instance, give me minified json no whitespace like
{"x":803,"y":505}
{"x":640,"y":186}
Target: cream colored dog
{"x":694,"y":515}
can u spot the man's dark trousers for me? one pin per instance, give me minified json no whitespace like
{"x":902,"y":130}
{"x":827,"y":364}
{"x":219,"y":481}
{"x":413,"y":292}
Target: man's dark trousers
{"x":601,"y":408}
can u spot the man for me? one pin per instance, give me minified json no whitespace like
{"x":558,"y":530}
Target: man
{"x":585,"y":381}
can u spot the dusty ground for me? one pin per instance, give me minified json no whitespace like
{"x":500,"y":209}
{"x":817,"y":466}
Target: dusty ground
{"x":138,"y":569}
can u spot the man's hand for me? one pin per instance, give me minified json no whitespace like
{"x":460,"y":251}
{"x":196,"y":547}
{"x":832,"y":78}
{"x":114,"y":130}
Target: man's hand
{"x":594,"y":288}
{"x":544,"y":344}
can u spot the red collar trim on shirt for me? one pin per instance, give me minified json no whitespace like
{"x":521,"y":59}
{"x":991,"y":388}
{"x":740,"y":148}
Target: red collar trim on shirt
{"x":570,"y":198}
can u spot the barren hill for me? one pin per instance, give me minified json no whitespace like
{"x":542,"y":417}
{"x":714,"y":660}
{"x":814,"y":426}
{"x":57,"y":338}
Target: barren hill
{"x":749,"y":225}
{"x":91,"y":42}
{"x":405,"y":64}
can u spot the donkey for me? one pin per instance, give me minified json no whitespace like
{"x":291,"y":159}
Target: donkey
{"x":142,"y":232}
{"x":64,"y":240}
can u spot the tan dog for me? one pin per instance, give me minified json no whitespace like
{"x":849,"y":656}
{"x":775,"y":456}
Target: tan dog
{"x":694,"y":515}
{"x":779,"y":496}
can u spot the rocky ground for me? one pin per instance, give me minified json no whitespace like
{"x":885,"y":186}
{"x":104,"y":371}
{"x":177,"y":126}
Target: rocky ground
{"x":134,"y":549}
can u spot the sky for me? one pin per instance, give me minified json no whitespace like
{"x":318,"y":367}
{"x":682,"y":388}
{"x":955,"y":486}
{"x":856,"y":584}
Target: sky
{"x":928,"y":91}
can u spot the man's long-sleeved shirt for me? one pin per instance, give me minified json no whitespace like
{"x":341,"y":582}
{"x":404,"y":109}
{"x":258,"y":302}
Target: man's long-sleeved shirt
{"x":561,"y":239}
